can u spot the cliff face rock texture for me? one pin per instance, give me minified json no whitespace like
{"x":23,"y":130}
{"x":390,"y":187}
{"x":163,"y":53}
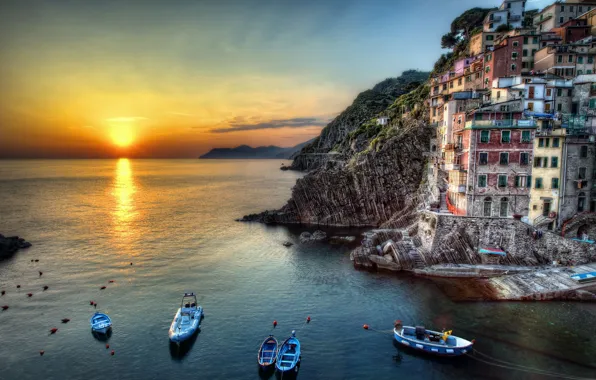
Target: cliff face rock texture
{"x":366,"y":105}
{"x":379,"y":179}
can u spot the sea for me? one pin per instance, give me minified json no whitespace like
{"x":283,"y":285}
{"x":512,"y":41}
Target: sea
{"x":151,"y":230}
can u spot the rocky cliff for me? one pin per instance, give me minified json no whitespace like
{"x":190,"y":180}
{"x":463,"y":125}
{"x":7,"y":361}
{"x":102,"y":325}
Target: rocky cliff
{"x":374,"y":176}
{"x":366,"y":105}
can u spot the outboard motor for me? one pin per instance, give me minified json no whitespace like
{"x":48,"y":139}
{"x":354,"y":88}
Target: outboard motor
{"x":420,"y":332}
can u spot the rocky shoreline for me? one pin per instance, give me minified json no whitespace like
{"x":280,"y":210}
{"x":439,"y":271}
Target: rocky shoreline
{"x":9,"y":245}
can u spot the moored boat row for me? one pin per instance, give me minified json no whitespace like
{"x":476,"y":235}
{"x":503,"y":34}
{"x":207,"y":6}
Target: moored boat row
{"x":285,"y":358}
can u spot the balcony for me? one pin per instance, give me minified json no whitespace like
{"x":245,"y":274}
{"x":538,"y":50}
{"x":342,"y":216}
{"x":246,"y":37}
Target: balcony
{"x":495,"y":19}
{"x":515,"y":18}
{"x":480,"y":124}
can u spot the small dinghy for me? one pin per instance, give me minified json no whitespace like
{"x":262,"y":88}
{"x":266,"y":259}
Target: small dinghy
{"x":100,"y":323}
{"x":187,"y":320}
{"x":432,"y":342}
{"x":267,"y":353}
{"x":288,"y":358}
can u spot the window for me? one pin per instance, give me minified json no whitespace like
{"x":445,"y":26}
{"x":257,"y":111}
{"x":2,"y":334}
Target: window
{"x":515,"y":44}
{"x":521,"y":181}
{"x":570,"y":58}
{"x":531,"y":106}
{"x":588,"y":72}
{"x":591,"y":59}
{"x":580,"y":72}
{"x":488,"y":205}
{"x":559,"y":92}
{"x":513,"y":67}
{"x":592,"y":104}
{"x":451,"y":84}
{"x":534,"y":51}
{"x":559,"y":107}
{"x":541,"y":143}
{"x":580,"y":10}
{"x":482,"y":180}
{"x":535,"y":40}
{"x":549,"y":92}
{"x":490,"y":37}
{"x":502,"y":180}
{"x":547,"y":108}
{"x":526,"y":136}
{"x":525,"y":40}
{"x":562,"y":8}
{"x":498,"y":95}
{"x":559,"y":59}
{"x":506,"y":136}
{"x":547,"y":142}
{"x":571,"y":8}
{"x":508,"y":5}
{"x":581,"y":202}
{"x":504,"y":207}
{"x":514,"y":55}
{"x":538,"y":183}
{"x":582,"y":174}
{"x":554,"y":183}
{"x":583,"y":152}
{"x":524,"y":158}
{"x":561,"y":20}
{"x":483,"y":159}
{"x":580,"y":59}
{"x":569,"y":92}
{"x":487,"y":70}
{"x":554,"y":162}
{"x":484,"y":136}
{"x":491,"y":25}
{"x":556,"y":141}
{"x":503,"y":158}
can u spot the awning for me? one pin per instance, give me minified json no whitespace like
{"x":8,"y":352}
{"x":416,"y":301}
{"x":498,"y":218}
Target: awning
{"x":492,"y":251}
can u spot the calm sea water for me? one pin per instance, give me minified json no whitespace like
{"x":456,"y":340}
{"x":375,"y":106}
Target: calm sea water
{"x":174,"y":220}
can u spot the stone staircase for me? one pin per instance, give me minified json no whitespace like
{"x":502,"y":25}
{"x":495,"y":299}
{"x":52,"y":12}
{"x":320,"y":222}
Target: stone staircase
{"x":415,"y":258}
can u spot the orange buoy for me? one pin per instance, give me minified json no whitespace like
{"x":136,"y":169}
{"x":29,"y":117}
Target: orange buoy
{"x":5,"y":307}
{"x":65,"y":320}
{"x":53,"y":331}
{"x":41,"y":352}
{"x":308,"y":319}
{"x":112,"y":353}
{"x":107,"y":346}
{"x":29,"y":294}
{"x":46,"y":287}
{"x":102,"y":288}
{"x":365,"y":327}
{"x":274,"y":323}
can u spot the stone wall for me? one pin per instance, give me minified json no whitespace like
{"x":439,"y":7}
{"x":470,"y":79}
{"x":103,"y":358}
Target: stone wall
{"x":456,"y":239}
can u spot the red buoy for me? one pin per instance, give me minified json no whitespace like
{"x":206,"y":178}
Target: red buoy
{"x":107,"y":346}
{"x":308,"y":319}
{"x":46,"y":287}
{"x":112,"y":353}
{"x":102,"y":288}
{"x":5,"y":307}
{"x":53,"y":331}
{"x":365,"y":327}
{"x":29,"y":294}
{"x":65,"y":320}
{"x":41,"y":352}
{"x":91,"y":303}
{"x":274,"y":323}
{"x":111,"y":281}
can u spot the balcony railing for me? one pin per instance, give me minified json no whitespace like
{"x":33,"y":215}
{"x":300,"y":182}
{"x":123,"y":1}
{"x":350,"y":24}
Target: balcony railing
{"x":499,"y":123}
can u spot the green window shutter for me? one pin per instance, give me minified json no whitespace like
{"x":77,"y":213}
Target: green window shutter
{"x":592,"y":103}
{"x":516,"y":181}
{"x":554,"y":162}
{"x":555,"y":183}
{"x":529,"y":182}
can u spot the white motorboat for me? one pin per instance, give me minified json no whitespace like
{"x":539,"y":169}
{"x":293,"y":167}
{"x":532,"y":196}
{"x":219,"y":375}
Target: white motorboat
{"x":187,"y":320}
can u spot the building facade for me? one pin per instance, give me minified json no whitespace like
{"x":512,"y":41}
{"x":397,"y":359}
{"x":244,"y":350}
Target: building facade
{"x":556,"y":14}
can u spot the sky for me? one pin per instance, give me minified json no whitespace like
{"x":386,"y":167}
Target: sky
{"x":175,"y":78}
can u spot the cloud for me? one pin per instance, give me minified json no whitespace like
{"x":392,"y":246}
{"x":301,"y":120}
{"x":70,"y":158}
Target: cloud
{"x":239,"y":124}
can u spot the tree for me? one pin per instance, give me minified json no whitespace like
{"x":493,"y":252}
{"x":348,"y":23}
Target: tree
{"x":448,"y":41}
{"x":469,"y":20}
{"x":529,"y":18}
{"x":503,"y":28}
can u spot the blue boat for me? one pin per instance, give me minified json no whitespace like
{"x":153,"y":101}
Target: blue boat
{"x":100,"y":323}
{"x":288,"y":358}
{"x":584,"y":277}
{"x":267,"y":353}
{"x":432,"y":342}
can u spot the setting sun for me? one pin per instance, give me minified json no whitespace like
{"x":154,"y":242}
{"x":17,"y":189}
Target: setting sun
{"x":122,"y":137}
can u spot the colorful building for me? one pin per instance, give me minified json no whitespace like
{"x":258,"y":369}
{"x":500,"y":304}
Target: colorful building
{"x":556,"y":14}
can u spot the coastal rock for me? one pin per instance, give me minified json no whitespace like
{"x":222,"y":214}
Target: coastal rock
{"x":307,"y":237}
{"x":10,"y":245}
{"x":319,"y":235}
{"x":342,"y":239}
{"x":288,"y":244}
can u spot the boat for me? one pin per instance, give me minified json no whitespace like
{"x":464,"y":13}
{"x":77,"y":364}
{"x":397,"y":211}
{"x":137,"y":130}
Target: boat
{"x":267,"y":353}
{"x":187,"y":320}
{"x":584,"y":277}
{"x":432,"y":342}
{"x":288,"y":358}
{"x":100,"y":323}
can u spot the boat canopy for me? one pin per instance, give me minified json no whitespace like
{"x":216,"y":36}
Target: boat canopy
{"x":492,"y":251}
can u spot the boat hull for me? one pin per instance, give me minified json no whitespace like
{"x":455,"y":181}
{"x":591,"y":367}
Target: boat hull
{"x":185,"y":325}
{"x":100,"y":323}
{"x":267,"y":355}
{"x":289,"y":356}
{"x":463,"y":347}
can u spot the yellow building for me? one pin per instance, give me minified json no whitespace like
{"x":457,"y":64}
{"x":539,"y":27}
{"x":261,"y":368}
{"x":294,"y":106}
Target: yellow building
{"x":482,"y":41}
{"x":547,"y":177}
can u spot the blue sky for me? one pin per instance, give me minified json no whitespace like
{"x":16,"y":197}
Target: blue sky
{"x":173,"y":75}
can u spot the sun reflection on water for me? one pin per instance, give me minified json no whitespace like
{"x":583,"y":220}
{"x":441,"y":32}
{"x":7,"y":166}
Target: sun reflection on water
{"x":124,"y":189}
